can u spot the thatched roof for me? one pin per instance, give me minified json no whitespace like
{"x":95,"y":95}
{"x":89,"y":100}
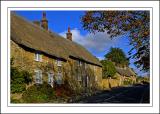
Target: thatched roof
{"x":33,"y":36}
{"x":125,"y":71}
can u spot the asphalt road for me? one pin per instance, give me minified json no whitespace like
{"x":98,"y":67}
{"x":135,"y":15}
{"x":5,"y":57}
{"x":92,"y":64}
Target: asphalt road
{"x":132,"y":94}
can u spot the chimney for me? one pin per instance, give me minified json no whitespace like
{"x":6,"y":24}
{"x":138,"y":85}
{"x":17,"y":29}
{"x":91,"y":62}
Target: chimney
{"x":69,"y":34}
{"x":44,"y":21}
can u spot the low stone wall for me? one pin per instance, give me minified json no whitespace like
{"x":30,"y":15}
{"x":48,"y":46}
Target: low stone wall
{"x":110,"y":83}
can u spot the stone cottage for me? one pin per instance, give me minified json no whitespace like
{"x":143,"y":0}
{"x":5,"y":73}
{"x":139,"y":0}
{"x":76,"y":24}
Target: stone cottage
{"x":50,"y":57}
{"x":125,"y":74}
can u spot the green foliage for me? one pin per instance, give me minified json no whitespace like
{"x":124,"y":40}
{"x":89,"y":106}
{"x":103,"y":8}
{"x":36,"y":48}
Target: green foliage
{"x":127,"y":82}
{"x":17,"y":87}
{"x":108,"y":68}
{"x":135,"y":24}
{"x":42,"y":93}
{"x":27,"y":76}
{"x":141,"y":79}
{"x":12,"y":61}
{"x":117,"y":56}
{"x":19,"y":79}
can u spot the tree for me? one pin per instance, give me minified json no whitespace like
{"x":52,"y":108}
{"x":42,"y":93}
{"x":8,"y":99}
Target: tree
{"x":117,"y":56}
{"x":115,"y":23}
{"x":109,"y":69}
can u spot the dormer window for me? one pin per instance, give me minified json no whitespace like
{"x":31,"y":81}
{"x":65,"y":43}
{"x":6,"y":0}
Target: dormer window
{"x":80,"y":63}
{"x":38,"y":56}
{"x":59,"y":63}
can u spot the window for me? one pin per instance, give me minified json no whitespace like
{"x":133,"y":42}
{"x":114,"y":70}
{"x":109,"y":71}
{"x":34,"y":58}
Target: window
{"x":59,"y":63}
{"x":79,"y":77}
{"x":38,"y":56}
{"x":80,"y":63}
{"x":50,"y":78}
{"x":59,"y":75}
{"x":38,"y":76}
{"x":59,"y":78}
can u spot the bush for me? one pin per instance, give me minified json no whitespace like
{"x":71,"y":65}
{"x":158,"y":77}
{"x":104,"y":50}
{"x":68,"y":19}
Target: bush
{"x":108,"y":68}
{"x":18,"y":88}
{"x":63,"y":91}
{"x":39,"y":94}
{"x":19,"y":79}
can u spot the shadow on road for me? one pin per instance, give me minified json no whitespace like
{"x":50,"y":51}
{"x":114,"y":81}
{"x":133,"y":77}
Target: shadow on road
{"x":131,"y":94}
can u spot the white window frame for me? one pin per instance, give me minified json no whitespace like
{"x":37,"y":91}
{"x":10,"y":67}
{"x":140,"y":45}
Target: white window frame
{"x":38,"y":57}
{"x":38,"y":74}
{"x":59,"y":62}
{"x":50,"y":78}
{"x":79,"y":63}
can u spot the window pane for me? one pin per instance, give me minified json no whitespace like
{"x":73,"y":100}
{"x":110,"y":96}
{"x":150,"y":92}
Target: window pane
{"x":35,"y":57}
{"x":59,"y":78}
{"x":59,"y":63}
{"x":38,"y":76}
{"x":38,"y":56}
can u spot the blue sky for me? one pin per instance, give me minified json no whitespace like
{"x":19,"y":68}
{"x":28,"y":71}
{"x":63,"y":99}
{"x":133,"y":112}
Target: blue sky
{"x":98,"y":44}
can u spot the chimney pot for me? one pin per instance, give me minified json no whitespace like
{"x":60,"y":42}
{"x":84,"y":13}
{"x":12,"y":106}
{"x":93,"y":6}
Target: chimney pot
{"x":44,"y":14}
{"x":44,"y":21}
{"x":69,"y":31}
{"x":69,"y":34}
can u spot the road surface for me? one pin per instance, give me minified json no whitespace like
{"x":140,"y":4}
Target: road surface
{"x":132,"y":94}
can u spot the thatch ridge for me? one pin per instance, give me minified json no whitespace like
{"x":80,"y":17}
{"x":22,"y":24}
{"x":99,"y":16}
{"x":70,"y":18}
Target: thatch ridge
{"x":125,"y":71}
{"x":33,"y":36}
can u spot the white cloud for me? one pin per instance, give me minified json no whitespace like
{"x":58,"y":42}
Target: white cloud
{"x":100,"y":43}
{"x":100,"y":58}
{"x":97,"y":43}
